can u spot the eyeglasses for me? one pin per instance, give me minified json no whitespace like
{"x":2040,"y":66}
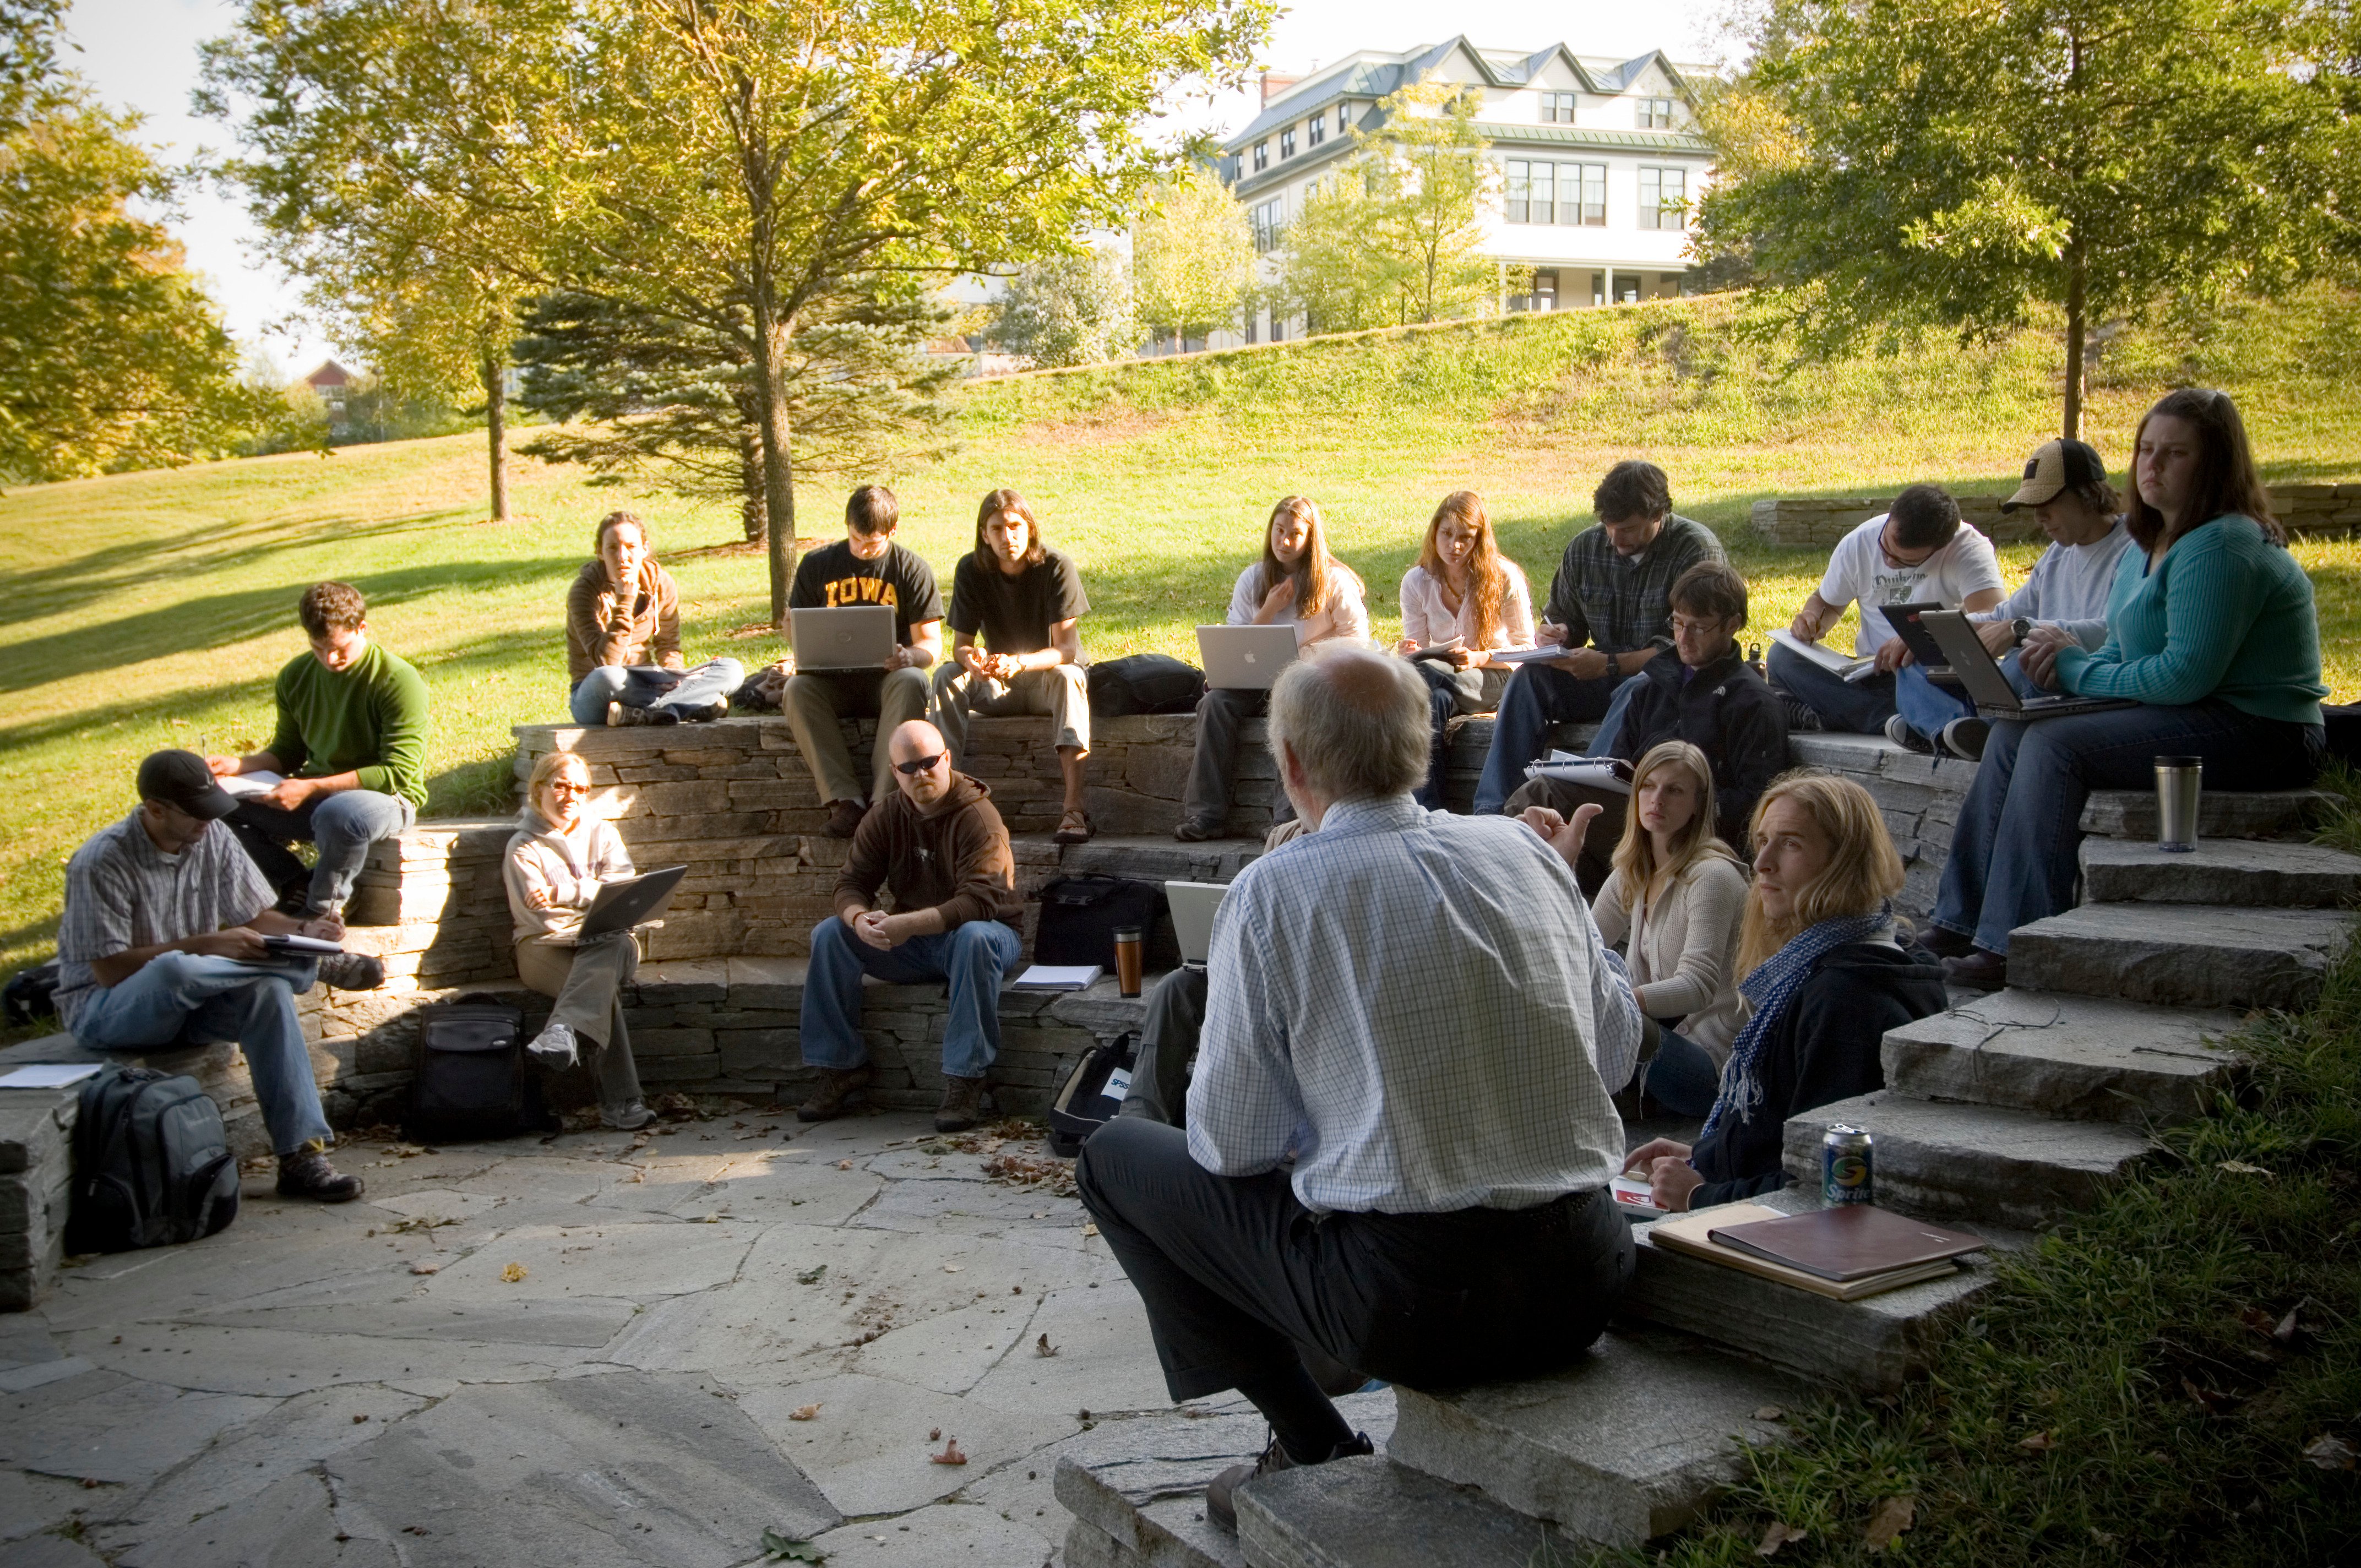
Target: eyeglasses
{"x":1683,"y":626}
{"x":567,"y":786}
{"x":917,"y":765}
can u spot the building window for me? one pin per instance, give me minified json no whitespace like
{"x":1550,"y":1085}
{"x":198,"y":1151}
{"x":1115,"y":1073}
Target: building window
{"x":1557,"y":108}
{"x":1264,"y":219}
{"x":1286,"y":143}
{"x":1664,"y":197}
{"x":1344,"y":120}
{"x":1252,"y":334}
{"x":1655,"y":114}
{"x":1545,"y":294}
{"x":1531,"y":192}
{"x":1582,"y":193}
{"x":1278,"y":327}
{"x":1315,"y":130}
{"x":1262,"y":156}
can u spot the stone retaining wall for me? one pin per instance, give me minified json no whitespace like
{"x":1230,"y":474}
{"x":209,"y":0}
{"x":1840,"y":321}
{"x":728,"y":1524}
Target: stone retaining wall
{"x":1822,"y":520}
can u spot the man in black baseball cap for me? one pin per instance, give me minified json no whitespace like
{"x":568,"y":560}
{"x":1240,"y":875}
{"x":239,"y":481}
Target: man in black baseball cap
{"x":164,"y":944}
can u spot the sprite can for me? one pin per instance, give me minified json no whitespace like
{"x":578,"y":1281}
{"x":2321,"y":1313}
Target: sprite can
{"x":1847,"y":1173}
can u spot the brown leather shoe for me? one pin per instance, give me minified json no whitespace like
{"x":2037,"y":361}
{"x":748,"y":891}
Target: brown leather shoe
{"x":844,"y":818}
{"x":306,"y":1173}
{"x":1979,"y":971}
{"x":834,"y":1091}
{"x":1221,"y":1492}
{"x":963,"y":1104}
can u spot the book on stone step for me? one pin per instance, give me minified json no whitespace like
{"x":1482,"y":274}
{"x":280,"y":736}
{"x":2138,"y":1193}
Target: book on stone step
{"x":1847,"y":1242}
{"x":1689,"y":1233}
{"x":1826,"y":657}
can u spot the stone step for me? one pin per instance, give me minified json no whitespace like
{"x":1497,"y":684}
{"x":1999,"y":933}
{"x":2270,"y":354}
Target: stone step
{"x":1371,"y":1512}
{"x":2276,"y":873}
{"x":2221,"y":814}
{"x":1948,"y":1161}
{"x":1143,"y":1516}
{"x":1871,"y":1346}
{"x":1158,"y":859}
{"x":1626,"y":1444}
{"x":2083,"y":1059}
{"x":2181,"y":955}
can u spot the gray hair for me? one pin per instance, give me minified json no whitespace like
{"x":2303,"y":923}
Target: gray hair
{"x":1356,"y":719}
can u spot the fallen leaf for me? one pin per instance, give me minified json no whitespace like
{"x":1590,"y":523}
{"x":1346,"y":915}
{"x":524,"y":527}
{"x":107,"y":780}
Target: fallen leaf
{"x":1772,"y":1413}
{"x":1089,"y":1229}
{"x":812,"y":1276}
{"x":360,"y":1418}
{"x":1043,"y":1347}
{"x":512,"y":1273}
{"x":2288,"y":1327}
{"x":802,"y":1412}
{"x":2040,"y":1442}
{"x":2256,"y":1319}
{"x":954,"y":1268}
{"x":2330,"y":1453}
{"x":425,"y":1269}
{"x":782,"y":1550}
{"x":949,"y":1455}
{"x":2240,"y":1167}
{"x":1885,"y":1526}
{"x":2102,"y":1537}
{"x":844,"y":1164}
{"x":2214,"y":1403}
{"x":1778,"y":1535}
{"x":934,"y":1434}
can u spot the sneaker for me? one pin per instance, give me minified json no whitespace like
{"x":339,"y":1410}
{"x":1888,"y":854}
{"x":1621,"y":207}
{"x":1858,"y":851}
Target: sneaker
{"x":834,"y":1093}
{"x":628,"y":1117}
{"x":1978,"y":970}
{"x":718,"y":709}
{"x":844,"y":818}
{"x":553,"y":1047}
{"x":352,"y":971}
{"x":623,"y":715}
{"x":306,"y":1173}
{"x":1221,"y":1493}
{"x":1193,"y":832}
{"x":963,"y":1104}
{"x":1898,"y":730}
{"x":1802,"y":718}
{"x":1966,"y":738}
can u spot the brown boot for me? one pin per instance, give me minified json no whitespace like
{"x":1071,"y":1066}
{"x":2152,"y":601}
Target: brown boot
{"x":834,"y":1091}
{"x":963,"y":1104}
{"x":1221,"y":1492}
{"x":306,"y":1173}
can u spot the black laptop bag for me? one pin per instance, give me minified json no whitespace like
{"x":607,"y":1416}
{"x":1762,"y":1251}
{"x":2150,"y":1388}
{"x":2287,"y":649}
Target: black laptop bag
{"x":473,"y":1082}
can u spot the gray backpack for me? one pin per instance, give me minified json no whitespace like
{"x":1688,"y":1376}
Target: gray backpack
{"x":151,"y":1163}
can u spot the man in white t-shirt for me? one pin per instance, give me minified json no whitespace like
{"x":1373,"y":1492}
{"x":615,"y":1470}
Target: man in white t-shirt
{"x":1919,"y":553}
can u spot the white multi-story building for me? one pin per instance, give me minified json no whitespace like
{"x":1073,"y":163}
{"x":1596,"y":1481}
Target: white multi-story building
{"x":1600,"y":163}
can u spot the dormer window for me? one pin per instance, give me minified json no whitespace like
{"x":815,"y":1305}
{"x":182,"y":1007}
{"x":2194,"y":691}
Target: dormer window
{"x":1262,"y":156}
{"x":1286,"y":143}
{"x":1557,"y":108}
{"x":1315,"y":130}
{"x":1655,"y":114}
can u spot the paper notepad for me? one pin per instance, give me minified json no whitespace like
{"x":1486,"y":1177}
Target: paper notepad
{"x":50,"y":1075}
{"x":1827,"y":658}
{"x":1058,"y":977}
{"x":247,"y":786}
{"x":1611,"y":773}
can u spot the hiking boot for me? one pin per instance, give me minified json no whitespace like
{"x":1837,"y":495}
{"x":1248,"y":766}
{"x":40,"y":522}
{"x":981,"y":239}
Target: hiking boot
{"x":963,"y":1104}
{"x":628,"y":1117}
{"x":844,"y":818}
{"x":1898,"y":730}
{"x":1221,"y":1492}
{"x":1802,"y":717}
{"x":1979,"y":971}
{"x":553,"y":1047}
{"x":352,"y":971}
{"x":834,"y":1091}
{"x":623,"y":715}
{"x":1194,"y":832}
{"x":718,"y":709}
{"x":1966,"y":738}
{"x":306,"y":1173}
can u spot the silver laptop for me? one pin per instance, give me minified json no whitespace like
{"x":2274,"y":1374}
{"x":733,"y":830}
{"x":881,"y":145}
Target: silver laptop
{"x":628,"y":901}
{"x":1192,"y":904}
{"x":1972,"y":663}
{"x":855,"y":637}
{"x":1244,"y":658}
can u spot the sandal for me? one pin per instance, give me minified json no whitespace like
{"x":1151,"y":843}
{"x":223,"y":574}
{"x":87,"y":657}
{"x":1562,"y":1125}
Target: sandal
{"x":1074,"y":827}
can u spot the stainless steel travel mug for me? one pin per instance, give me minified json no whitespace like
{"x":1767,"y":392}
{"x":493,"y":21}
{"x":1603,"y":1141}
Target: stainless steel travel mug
{"x":2177,"y":781}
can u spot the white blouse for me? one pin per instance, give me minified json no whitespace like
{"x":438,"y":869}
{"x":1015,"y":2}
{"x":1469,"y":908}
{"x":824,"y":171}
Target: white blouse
{"x":1348,"y":617}
{"x":1426,"y":619}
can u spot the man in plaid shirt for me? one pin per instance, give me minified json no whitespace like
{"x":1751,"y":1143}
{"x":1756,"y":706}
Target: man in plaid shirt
{"x":1609,"y":604}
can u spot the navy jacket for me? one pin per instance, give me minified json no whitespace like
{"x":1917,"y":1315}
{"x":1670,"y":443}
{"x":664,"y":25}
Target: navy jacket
{"x":1724,"y":710}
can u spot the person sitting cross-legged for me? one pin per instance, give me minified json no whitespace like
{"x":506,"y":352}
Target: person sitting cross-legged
{"x":1378,"y":986}
{"x":558,"y":859}
{"x":1463,"y":602}
{"x":162,"y":945}
{"x":622,"y":639}
{"x":941,"y":846}
{"x":1827,"y":972}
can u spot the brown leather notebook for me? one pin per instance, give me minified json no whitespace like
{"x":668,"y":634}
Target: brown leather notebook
{"x":1850,"y":1241}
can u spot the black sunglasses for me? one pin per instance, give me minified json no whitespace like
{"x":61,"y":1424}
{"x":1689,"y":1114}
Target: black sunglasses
{"x":917,"y":765}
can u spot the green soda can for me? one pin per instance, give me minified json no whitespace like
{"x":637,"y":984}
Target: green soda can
{"x":1846,"y":1169}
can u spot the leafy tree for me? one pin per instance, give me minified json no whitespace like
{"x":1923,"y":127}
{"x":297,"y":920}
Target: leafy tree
{"x":1964,"y":162}
{"x":115,"y":356}
{"x":1192,"y":259}
{"x":1068,"y":310}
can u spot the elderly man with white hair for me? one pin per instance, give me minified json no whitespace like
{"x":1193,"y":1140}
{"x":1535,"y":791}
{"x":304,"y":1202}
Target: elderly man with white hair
{"x":1415,"y":1009}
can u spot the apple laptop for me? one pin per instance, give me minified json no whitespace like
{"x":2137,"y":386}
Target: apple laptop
{"x":1192,"y":904}
{"x":1987,"y":683}
{"x":1244,"y":658}
{"x":854,"y":637}
{"x":627,"y":901}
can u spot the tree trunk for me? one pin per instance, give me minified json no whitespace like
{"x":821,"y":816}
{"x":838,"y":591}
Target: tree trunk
{"x":778,"y":472}
{"x":2078,"y":329}
{"x":496,"y":412}
{"x":750,"y":511}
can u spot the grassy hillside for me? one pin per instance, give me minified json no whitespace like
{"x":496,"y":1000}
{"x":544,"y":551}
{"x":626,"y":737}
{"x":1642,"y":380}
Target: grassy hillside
{"x":153,"y":610}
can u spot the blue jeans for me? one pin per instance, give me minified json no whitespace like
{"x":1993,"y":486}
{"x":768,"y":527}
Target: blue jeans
{"x":1857,"y":707}
{"x":1610,"y":727}
{"x":2014,"y":851}
{"x":646,"y":686}
{"x":971,"y":957}
{"x":342,"y":826}
{"x":181,"y":999}
{"x":1927,"y":707}
{"x":1539,"y":697}
{"x":1683,"y":1076}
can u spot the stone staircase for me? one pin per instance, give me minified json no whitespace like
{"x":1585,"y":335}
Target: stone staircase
{"x":2007,"y":1112}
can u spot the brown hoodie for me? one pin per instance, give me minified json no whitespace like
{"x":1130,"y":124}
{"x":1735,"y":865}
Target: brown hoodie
{"x":603,"y":627}
{"x":956,"y":860}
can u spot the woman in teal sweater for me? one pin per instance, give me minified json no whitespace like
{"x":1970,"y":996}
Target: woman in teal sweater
{"x":2210,"y":630}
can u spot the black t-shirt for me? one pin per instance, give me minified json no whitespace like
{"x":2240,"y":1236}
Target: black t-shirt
{"x":1015,"y":614}
{"x":833,"y":576}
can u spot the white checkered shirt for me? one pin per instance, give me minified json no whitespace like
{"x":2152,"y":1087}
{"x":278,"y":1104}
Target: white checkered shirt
{"x":123,"y":892}
{"x":1419,"y":1006}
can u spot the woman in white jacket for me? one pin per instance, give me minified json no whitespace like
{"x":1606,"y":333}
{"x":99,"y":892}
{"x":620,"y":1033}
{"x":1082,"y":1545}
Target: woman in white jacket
{"x":556,"y":864}
{"x":1462,"y":603}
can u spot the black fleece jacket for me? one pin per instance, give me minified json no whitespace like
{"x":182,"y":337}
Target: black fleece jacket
{"x":1724,"y":710}
{"x":1824,"y":1048}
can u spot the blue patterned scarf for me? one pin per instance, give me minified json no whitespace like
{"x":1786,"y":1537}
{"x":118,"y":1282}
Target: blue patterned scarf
{"x":1771,"y":988}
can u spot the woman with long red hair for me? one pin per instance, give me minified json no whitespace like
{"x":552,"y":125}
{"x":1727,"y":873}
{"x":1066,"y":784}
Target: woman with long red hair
{"x":1463,"y":602}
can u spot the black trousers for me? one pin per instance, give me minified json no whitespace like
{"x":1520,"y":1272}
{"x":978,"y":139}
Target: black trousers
{"x":1168,"y":1043}
{"x":1235,"y":1273}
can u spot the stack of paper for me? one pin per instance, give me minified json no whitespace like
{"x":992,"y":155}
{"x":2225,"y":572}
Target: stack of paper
{"x":1058,"y":977}
{"x":1611,"y":774}
{"x":1846,"y":1252}
{"x":50,"y":1075}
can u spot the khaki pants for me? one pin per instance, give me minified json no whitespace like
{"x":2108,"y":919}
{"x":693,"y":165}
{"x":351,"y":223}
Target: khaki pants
{"x":1062,"y":692}
{"x":588,"y":982}
{"x":816,"y":702}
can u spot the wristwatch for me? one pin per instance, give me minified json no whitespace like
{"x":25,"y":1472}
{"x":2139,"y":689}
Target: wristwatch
{"x":2022,"y":628}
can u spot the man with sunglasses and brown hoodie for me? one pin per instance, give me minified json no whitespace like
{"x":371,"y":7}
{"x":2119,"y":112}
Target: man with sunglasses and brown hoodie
{"x":938,"y":844}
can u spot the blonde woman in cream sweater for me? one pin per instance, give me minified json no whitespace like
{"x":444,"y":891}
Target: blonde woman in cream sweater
{"x":1675,"y":901}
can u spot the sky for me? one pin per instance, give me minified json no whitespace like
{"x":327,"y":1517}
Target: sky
{"x":142,"y":55}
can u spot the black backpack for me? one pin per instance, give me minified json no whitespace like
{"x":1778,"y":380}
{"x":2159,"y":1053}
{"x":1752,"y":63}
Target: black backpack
{"x":151,"y":1163}
{"x":472,"y":1079}
{"x":32,"y":993}
{"x":1086,"y":1103}
{"x":1079,"y":914}
{"x":1144,"y":682}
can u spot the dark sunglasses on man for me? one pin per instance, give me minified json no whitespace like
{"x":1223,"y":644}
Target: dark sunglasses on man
{"x":917,"y":765}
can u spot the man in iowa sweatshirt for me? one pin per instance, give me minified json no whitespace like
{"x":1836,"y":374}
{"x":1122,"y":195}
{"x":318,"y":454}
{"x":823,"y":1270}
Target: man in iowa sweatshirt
{"x":939,"y":844}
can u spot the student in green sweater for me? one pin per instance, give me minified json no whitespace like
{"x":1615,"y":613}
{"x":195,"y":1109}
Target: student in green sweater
{"x":2211,"y":630}
{"x":349,"y":754}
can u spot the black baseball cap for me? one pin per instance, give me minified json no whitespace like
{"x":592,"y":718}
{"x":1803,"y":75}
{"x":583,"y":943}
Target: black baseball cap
{"x":181,"y":779}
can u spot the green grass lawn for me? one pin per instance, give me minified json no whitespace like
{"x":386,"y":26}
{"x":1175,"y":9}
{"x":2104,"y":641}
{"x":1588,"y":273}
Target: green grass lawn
{"x":153,"y":610}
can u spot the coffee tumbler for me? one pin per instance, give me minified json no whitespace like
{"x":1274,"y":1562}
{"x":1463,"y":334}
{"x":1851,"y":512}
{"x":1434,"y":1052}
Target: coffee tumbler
{"x":1128,"y":960}
{"x":2177,"y":780}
